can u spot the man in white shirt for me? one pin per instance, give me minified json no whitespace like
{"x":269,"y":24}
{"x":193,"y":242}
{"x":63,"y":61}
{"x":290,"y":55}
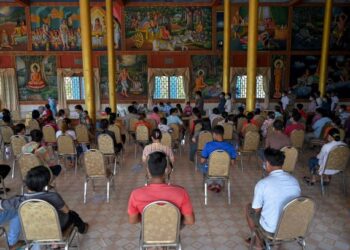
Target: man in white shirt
{"x":271,"y":194}
{"x":335,"y":101}
{"x":214,"y":115}
{"x":284,"y":100}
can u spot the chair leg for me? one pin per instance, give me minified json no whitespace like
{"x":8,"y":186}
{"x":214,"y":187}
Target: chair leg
{"x":205,"y":193}
{"x":108,"y":184}
{"x":85,"y":190}
{"x":195,"y":161}
{"x":229,"y":191}
{"x":322,"y":186}
{"x":13,"y":168}
{"x":135,"y":150}
{"x":75,"y":165}
{"x":241,"y":156}
{"x":344,"y":183}
{"x":115,"y":166}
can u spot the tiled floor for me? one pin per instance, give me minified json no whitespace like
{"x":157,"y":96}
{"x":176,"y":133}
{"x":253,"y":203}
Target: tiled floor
{"x":218,"y":225}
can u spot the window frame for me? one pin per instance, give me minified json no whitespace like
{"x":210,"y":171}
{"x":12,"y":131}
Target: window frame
{"x":169,"y":88}
{"x":81,"y":89}
{"x":256,"y":87}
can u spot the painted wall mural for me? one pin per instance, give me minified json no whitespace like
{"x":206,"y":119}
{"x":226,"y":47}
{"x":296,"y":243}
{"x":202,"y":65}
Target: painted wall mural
{"x":206,"y":75}
{"x":278,"y":79}
{"x":339,"y":75}
{"x":307,"y":28}
{"x":55,"y":28}
{"x":131,"y":76}
{"x":304,"y":75}
{"x":272,"y":28}
{"x":13,"y":29}
{"x":37,"y":78}
{"x":340,"y":29}
{"x":168,"y":28}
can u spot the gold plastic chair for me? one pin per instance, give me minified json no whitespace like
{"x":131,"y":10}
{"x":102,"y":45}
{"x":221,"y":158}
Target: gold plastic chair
{"x":297,"y":139}
{"x":116,"y":130}
{"x":250,"y":127}
{"x":41,"y":225}
{"x":293,"y":224}
{"x":228,"y":131}
{"x":141,"y":137}
{"x":152,"y":122}
{"x":26,"y":162}
{"x":337,"y":159}
{"x":250,"y":146}
{"x":240,"y":124}
{"x":166,"y":140}
{"x":49,"y":135}
{"x":132,"y":127}
{"x":291,"y":158}
{"x":216,"y":121}
{"x":203,"y":138}
{"x":82,"y":133}
{"x":197,"y":127}
{"x":105,"y":145}
{"x":96,"y":169}
{"x":218,"y":169}
{"x":176,"y":137}
{"x":6,"y":133}
{"x":160,"y":226}
{"x":66,"y":148}
{"x":33,"y":124}
{"x":259,"y":119}
{"x":17,"y":142}
{"x":16,"y":116}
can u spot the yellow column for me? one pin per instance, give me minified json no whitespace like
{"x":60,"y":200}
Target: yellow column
{"x":325,"y":46}
{"x":227,"y":46}
{"x":252,"y":54}
{"x":85,"y":22}
{"x":111,"y":57}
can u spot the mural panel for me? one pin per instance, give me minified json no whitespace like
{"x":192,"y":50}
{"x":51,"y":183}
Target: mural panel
{"x":131,"y":76}
{"x":307,"y":28}
{"x":207,"y":75}
{"x":13,"y":28}
{"x":168,"y":28}
{"x":55,"y":28}
{"x":279,"y":63}
{"x":272,"y":28}
{"x":304,"y":75}
{"x":340,"y":29}
{"x":37,"y":78}
{"x":339,"y":75}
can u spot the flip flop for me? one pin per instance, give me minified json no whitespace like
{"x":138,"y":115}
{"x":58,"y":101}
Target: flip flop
{"x":308,"y":181}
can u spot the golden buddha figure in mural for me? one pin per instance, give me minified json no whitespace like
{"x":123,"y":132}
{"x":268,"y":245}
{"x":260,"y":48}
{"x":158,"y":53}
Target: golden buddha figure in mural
{"x":278,"y":71}
{"x":199,"y":83}
{"x":36,"y":82}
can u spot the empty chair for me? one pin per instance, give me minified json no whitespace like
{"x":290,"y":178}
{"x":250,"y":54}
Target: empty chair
{"x":116,"y":130}
{"x":17,"y":142}
{"x":49,"y":135}
{"x":218,"y":169}
{"x":41,"y":226}
{"x":203,"y":138}
{"x":82,"y":133}
{"x":297,"y":138}
{"x":95,"y":168}
{"x":250,"y":145}
{"x":6,"y":133}
{"x":160,"y":226}
{"x":228,"y":131}
{"x":141,"y":137}
{"x":176,"y":136}
{"x":166,"y":140}
{"x":291,"y":158}
{"x":33,"y":124}
{"x":66,"y":148}
{"x":293,"y":224}
{"x":105,"y":145}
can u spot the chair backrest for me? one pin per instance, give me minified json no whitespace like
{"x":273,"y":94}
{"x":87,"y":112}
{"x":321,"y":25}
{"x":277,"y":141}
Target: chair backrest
{"x":270,"y":130}
{"x":94,"y":163}
{"x":166,"y":140}
{"x":116,"y":130}
{"x":338,"y":158}
{"x":197,"y":127}
{"x":175,"y":135}
{"x":216,"y":121}
{"x":228,"y":131}
{"x":219,"y":164}
{"x":82,"y":133}
{"x":59,"y":123}
{"x":291,"y":157}
{"x":251,"y":141}
{"x":65,"y":145}
{"x":152,"y":122}
{"x":16,"y":115}
{"x":295,"y":219}
{"x":250,"y":127}
{"x":240,"y":124}
{"x":39,"y":221}
{"x":324,"y":129}
{"x":49,"y":134}
{"x":203,"y":138}
{"x":105,"y":144}
{"x":142,"y":133}
{"x":6,"y":133}
{"x":132,"y":124}
{"x":26,"y":162}
{"x":259,"y":119}
{"x":160,"y":223}
{"x":297,"y":138}
{"x":342,"y":134}
{"x":33,"y":124}
{"x":17,"y":142}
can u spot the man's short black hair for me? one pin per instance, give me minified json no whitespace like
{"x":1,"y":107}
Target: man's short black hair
{"x":78,"y":107}
{"x":47,"y":106}
{"x":218,"y":130}
{"x":104,"y":124}
{"x":157,"y":164}
{"x":108,"y":110}
{"x":38,"y":178}
{"x":296,"y":115}
{"x":278,"y":125}
{"x":36,"y":135}
{"x":35,"y":114}
{"x":216,"y":111}
{"x":163,"y":120}
{"x":155,"y":109}
{"x":274,"y":157}
{"x":271,"y":115}
{"x":300,"y":106}
{"x":19,"y":128}
{"x":173,"y":110}
{"x":6,"y":118}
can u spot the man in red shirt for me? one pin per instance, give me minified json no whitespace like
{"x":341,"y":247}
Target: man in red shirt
{"x":142,"y":122}
{"x":159,"y":190}
{"x":295,"y":123}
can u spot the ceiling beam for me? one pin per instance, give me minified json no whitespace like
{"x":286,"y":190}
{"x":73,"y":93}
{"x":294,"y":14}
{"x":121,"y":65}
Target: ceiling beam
{"x":216,"y":2}
{"x":23,"y":2}
{"x":121,"y":2}
{"x":294,"y":2}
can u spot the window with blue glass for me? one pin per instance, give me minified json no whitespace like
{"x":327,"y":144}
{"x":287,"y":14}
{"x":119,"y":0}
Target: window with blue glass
{"x":74,"y":87}
{"x":169,"y":87}
{"x":241,"y":87}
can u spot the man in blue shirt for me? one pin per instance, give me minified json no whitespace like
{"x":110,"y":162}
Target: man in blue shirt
{"x":173,"y":118}
{"x":318,"y":125}
{"x":218,"y":143}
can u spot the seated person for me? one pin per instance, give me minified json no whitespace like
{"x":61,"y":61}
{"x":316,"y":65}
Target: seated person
{"x":300,"y":109}
{"x":14,"y":230}
{"x":66,"y":129}
{"x":104,"y":127}
{"x":318,"y":125}
{"x":47,"y":113}
{"x":154,"y":115}
{"x":113,"y":120}
{"x":194,"y":120}
{"x":250,"y":120}
{"x":4,"y":171}
{"x":87,"y":120}
{"x":188,"y":109}
{"x":217,"y":143}
{"x":163,"y":127}
{"x":267,"y":123}
{"x":240,"y":114}
{"x":51,"y":122}
{"x":318,"y":163}
{"x":156,"y":190}
{"x":7,"y":120}
{"x":277,"y":139}
{"x":278,"y":111}
{"x":343,"y":113}
{"x":36,"y":116}
{"x":215,"y":114}
{"x":295,"y":123}
{"x":173,"y":118}
{"x":60,"y":115}
{"x":156,"y":137}
{"x":226,"y":119}
{"x":36,"y":180}
{"x":271,"y":194}
{"x":19,"y":129}
{"x":194,"y":142}
{"x":44,"y":153}
{"x":142,"y":122}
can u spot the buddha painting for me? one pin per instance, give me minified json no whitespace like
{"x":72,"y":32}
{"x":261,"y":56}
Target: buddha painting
{"x":36,"y":82}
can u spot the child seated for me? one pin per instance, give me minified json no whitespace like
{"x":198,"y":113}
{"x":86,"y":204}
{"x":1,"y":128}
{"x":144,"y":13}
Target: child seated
{"x":163,"y":127}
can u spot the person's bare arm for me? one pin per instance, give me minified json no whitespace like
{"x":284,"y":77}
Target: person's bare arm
{"x":188,"y":219}
{"x":134,"y":218}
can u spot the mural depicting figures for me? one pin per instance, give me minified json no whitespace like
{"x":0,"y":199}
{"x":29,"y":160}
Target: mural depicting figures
{"x":206,"y":75}
{"x":307,"y":28}
{"x":55,"y":28}
{"x":278,"y":75}
{"x":304,"y":75}
{"x":272,"y":28}
{"x":340,"y":29}
{"x":131,"y":78}
{"x":36,"y":76}
{"x":168,"y":28}
{"x":13,"y":29}
{"x":339,"y":75}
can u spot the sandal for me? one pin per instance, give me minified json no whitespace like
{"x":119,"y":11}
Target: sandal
{"x":308,"y":181}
